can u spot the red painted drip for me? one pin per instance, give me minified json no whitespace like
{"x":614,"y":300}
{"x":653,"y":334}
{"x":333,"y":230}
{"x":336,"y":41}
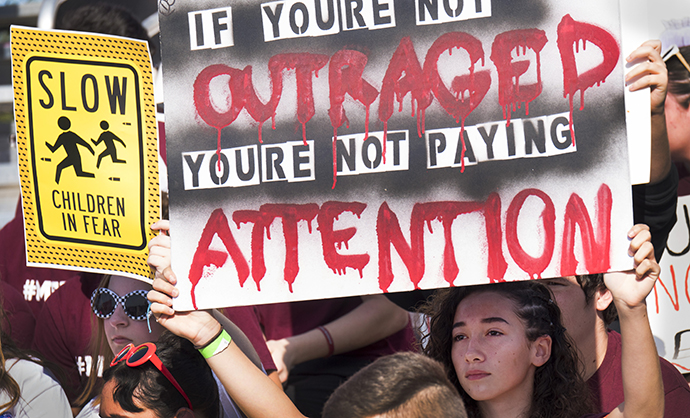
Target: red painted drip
{"x":404,"y":75}
{"x":513,"y":93}
{"x":596,"y":244}
{"x":203,"y":257}
{"x":330,"y":238}
{"x":476,"y":83}
{"x":570,"y":32}
{"x":388,"y":233}
{"x":534,"y":266}
{"x":447,"y":212}
{"x":497,"y":266}
{"x":262,"y":220}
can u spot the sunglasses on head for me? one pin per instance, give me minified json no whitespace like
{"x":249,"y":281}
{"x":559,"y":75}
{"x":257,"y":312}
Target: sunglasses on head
{"x":673,"y":51}
{"x":104,"y":301}
{"x":136,"y":356}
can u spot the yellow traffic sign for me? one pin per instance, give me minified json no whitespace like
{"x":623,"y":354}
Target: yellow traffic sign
{"x":87,"y":148}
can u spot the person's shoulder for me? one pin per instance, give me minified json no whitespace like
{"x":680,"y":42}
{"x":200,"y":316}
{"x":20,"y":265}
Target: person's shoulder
{"x":39,"y":391}
{"x":674,"y":381}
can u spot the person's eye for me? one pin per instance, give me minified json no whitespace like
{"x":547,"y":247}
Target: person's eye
{"x":494,"y":333}
{"x":458,"y":337}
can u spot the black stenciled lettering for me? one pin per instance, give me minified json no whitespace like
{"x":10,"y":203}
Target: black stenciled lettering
{"x":116,"y":96}
{"x":298,"y":160}
{"x":488,"y":139}
{"x":378,"y":19}
{"x":217,"y":26}
{"x":274,"y":163}
{"x":63,"y":93}
{"x":238,"y":165}
{"x":396,"y":138}
{"x":372,"y":140}
{"x":327,"y":24}
{"x":274,"y":18}
{"x":120,"y":203}
{"x":116,"y":228}
{"x":510,"y":137}
{"x":430,"y":6}
{"x":565,"y":133}
{"x":356,"y":13}
{"x":50,"y":103}
{"x":199,"y":23}
{"x":94,"y":87}
{"x":437,"y":144}
{"x":453,"y":12}
{"x":346,"y":154}
{"x":194,"y":166}
{"x":298,"y":30}
{"x":225,"y":165}
{"x":469,"y":153}
{"x":534,"y":135}
{"x":478,"y":6}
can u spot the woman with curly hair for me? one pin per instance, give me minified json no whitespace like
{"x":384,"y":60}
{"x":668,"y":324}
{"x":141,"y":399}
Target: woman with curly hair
{"x":505,"y":350}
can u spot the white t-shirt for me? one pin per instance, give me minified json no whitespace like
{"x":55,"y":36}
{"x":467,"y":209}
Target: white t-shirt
{"x":40,"y":395}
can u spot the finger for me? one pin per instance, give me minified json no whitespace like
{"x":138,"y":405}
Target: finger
{"x":648,"y":50}
{"x":640,"y":237}
{"x":159,"y":297}
{"x":637,"y":228}
{"x":646,"y":252}
{"x":162,"y":225}
{"x":171,"y":278}
{"x":161,"y":311}
{"x":656,"y":72}
{"x":166,"y":287}
{"x":162,"y":241}
{"x":648,"y":269}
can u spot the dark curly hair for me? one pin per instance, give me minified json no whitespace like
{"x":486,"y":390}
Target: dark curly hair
{"x":152,"y":389}
{"x":559,"y":390}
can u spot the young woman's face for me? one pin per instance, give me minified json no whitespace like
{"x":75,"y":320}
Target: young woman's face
{"x":120,"y":329}
{"x":492,"y":356}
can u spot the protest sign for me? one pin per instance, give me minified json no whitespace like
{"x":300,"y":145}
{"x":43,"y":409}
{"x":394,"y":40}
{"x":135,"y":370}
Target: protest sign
{"x":324,"y":148}
{"x":669,"y":303}
{"x":87,"y":145}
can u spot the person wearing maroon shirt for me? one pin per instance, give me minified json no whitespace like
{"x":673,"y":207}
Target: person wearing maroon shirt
{"x":34,"y":283}
{"x":19,"y":321}
{"x":318,"y":344}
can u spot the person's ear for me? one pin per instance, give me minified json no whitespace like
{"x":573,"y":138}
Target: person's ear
{"x":541,"y":350}
{"x":602,"y":299}
{"x":184,"y":413}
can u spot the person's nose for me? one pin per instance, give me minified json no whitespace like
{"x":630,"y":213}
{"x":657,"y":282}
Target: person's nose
{"x":119,"y":318}
{"x":474,"y":352}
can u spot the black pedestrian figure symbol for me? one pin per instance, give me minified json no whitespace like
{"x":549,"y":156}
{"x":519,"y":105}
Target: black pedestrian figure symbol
{"x":69,"y":141}
{"x":109,"y":139}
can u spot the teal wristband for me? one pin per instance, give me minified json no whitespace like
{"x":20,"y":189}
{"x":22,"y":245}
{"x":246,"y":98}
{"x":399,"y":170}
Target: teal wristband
{"x":220,"y":343}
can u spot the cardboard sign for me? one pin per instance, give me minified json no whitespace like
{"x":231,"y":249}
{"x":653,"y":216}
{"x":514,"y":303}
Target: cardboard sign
{"x":669,"y":303}
{"x":326,"y":148}
{"x":87,"y":149}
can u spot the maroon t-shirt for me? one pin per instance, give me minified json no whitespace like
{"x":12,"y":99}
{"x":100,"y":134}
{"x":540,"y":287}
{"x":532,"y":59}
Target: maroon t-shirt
{"x":246,"y":319}
{"x":282,"y":320}
{"x":19,"y":322}
{"x":63,"y":331}
{"x":34,"y":283}
{"x":606,"y":384}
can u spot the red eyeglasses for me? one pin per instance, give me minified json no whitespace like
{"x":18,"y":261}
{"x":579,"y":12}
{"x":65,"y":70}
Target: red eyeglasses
{"x":136,"y":356}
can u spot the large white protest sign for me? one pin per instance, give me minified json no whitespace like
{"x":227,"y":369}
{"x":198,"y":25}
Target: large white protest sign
{"x":325,"y":148}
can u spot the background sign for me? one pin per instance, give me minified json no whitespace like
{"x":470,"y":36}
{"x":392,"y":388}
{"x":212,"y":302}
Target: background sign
{"x":87,"y":148}
{"x":324,"y":148}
